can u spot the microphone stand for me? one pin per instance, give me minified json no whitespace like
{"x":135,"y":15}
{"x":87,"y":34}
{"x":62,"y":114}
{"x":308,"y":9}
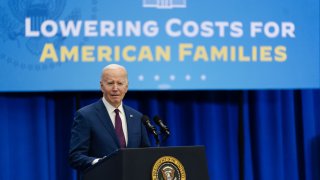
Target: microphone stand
{"x":156,"y":137}
{"x":164,"y":137}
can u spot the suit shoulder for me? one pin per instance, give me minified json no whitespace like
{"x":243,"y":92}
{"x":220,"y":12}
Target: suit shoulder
{"x":90,"y":107}
{"x":132,"y":111}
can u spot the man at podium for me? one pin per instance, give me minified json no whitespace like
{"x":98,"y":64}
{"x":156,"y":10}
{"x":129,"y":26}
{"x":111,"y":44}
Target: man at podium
{"x":106,"y":125}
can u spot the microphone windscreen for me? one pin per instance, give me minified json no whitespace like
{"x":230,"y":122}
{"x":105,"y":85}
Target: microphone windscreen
{"x":145,"y":119}
{"x":157,"y":119}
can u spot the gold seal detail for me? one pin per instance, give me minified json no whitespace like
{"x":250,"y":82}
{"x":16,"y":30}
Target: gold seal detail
{"x":168,"y":168}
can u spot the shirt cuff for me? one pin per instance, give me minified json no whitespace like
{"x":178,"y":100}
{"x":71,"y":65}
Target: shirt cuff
{"x":95,"y":161}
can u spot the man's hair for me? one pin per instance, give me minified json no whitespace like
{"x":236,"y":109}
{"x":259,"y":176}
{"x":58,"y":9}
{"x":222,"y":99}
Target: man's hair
{"x":114,"y":66}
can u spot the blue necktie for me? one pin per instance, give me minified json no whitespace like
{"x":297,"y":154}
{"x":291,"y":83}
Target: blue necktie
{"x":119,"y":130}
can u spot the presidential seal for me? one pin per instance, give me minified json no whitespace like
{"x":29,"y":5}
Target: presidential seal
{"x":168,"y":168}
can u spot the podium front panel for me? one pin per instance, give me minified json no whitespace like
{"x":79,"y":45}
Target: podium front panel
{"x":138,"y":163}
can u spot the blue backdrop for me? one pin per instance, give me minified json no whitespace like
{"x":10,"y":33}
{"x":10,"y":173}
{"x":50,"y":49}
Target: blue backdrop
{"x":247,"y":134}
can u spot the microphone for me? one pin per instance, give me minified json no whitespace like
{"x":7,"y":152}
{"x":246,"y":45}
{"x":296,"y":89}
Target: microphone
{"x":146,"y":121}
{"x":163,"y":127}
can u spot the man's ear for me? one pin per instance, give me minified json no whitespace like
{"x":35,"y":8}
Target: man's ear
{"x":101,"y":86}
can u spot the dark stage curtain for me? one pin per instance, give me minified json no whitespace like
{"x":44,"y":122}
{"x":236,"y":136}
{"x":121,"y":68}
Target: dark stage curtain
{"x":264,"y":134}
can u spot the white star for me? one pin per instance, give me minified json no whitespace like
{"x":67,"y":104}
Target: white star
{"x":188,"y":77}
{"x":141,"y":77}
{"x":203,"y":77}
{"x":157,"y":77}
{"x":172,"y":77}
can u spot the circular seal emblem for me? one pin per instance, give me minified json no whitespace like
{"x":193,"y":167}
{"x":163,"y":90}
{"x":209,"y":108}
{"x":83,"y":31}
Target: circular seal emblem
{"x":168,"y":168}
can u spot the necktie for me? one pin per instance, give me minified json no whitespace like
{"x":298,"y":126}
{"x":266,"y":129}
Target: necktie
{"x":118,"y":128}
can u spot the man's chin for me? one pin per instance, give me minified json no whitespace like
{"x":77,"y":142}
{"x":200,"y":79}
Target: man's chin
{"x":116,"y":100}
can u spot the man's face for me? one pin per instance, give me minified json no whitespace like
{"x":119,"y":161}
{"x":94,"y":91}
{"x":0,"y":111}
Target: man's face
{"x":114,"y":85}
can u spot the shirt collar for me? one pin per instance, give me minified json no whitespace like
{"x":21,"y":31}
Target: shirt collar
{"x":110,"y":108}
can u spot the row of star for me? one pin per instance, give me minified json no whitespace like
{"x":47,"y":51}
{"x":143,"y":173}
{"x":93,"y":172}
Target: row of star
{"x":187,"y":77}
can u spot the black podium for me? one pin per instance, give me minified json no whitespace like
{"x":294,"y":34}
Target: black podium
{"x":144,"y":163}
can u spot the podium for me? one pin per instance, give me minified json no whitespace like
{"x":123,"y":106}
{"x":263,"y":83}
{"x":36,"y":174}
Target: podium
{"x":150,"y":163}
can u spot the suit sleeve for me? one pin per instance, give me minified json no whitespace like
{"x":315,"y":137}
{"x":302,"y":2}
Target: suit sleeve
{"x":79,"y":143}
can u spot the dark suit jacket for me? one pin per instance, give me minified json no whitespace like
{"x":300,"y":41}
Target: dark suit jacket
{"x":93,"y":134}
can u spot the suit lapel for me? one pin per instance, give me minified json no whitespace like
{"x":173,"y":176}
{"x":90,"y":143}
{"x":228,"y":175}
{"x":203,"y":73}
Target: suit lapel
{"x":129,"y":117}
{"x":106,"y":121}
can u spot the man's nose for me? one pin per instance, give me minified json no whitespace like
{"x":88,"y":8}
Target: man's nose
{"x":115,"y":87}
